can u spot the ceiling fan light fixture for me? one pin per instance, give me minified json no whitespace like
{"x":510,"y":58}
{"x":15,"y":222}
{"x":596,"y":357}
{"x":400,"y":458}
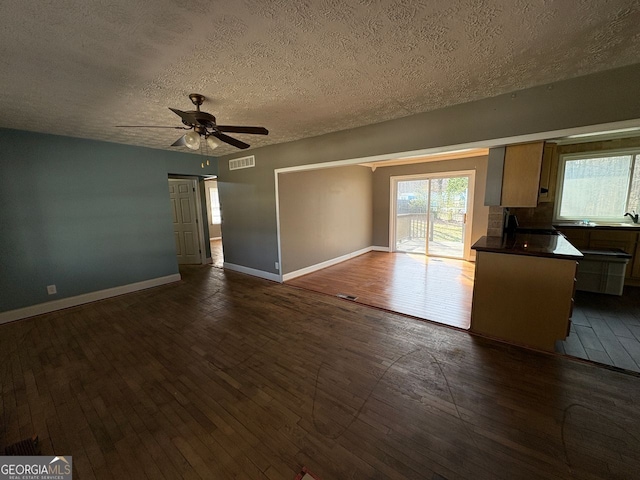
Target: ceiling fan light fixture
{"x":192,"y":140}
{"x":213,"y":142}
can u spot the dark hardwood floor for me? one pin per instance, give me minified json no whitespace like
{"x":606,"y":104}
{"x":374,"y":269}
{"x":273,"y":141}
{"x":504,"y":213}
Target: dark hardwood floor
{"x":605,"y":328}
{"x":431,"y":288}
{"x":227,"y":376}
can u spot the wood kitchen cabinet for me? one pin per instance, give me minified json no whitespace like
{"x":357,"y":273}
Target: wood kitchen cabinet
{"x":613,"y":239}
{"x":579,"y":237}
{"x":513,"y":175}
{"x":523,"y":289}
{"x":634,"y":266}
{"x":548,"y":173}
{"x":594,"y":238}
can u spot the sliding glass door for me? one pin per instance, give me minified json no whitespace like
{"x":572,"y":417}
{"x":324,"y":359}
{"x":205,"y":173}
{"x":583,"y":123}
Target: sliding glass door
{"x":412,"y":199}
{"x":431,"y":213}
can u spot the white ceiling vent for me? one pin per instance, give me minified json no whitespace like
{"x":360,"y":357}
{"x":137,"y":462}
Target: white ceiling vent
{"x":244,"y":162}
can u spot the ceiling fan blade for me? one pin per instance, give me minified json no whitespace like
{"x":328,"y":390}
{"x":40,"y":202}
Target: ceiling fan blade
{"x":231,"y":141}
{"x":150,"y":126}
{"x":179,"y":142}
{"x":187,"y":117}
{"x":239,"y":129}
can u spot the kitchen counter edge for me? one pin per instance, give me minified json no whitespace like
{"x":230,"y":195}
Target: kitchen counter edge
{"x":535,"y":245}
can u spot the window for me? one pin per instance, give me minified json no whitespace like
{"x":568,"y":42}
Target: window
{"x":216,"y":218}
{"x":598,"y":186}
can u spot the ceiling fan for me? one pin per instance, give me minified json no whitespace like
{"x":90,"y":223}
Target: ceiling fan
{"x":203,"y":124}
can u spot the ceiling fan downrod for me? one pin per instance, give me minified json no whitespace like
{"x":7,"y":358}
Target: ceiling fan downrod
{"x":197,"y":99}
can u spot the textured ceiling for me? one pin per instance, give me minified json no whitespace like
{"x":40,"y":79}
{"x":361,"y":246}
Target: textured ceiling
{"x":299,"y":68}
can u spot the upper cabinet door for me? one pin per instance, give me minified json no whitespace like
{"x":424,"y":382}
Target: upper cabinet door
{"x":521,"y":176}
{"x":513,"y":175}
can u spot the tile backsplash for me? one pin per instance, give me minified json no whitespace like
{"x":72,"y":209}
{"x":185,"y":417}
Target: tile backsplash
{"x":540,"y":215}
{"x":496,"y":221}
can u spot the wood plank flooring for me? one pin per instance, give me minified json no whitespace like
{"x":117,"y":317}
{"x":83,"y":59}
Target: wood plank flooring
{"x":217,"y":255}
{"x":436,"y":289}
{"x":228,"y":376}
{"x":606,"y":329}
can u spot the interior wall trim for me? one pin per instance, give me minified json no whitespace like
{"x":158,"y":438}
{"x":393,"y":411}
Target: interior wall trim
{"x":325,"y":264}
{"x":274,"y":277}
{"x":380,"y":249}
{"x":48,"y":307}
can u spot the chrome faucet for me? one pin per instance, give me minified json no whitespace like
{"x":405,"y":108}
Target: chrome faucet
{"x":634,"y":216}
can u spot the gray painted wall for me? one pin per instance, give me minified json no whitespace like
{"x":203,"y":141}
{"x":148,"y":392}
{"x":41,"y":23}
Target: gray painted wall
{"x":248,"y":196}
{"x":382,"y":184}
{"x":324,"y":214}
{"x":249,"y":231}
{"x":83,"y":215}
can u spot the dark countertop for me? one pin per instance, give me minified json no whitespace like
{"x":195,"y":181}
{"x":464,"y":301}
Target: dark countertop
{"x":598,"y":226}
{"x":606,"y":252}
{"x":533,"y":244}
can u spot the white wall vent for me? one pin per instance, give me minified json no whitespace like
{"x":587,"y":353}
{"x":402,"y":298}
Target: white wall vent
{"x":243,"y":162}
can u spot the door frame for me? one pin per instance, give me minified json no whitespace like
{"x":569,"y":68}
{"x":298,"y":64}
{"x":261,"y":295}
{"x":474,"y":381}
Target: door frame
{"x":393,"y":193}
{"x":198,"y":211}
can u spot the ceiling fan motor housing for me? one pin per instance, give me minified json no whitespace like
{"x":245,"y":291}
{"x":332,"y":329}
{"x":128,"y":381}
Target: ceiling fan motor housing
{"x":203,"y":119}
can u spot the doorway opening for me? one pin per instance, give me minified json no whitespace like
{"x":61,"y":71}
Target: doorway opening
{"x":431,"y":214}
{"x":214,"y":217}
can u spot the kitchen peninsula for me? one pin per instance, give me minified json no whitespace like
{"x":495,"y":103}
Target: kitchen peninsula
{"x":523,"y":290}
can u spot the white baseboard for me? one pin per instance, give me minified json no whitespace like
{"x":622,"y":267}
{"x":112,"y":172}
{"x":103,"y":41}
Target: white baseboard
{"x":68,"y":302}
{"x":252,"y":271}
{"x":325,"y":264}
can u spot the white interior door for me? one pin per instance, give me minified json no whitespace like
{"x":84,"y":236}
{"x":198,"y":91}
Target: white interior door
{"x":185,"y":220}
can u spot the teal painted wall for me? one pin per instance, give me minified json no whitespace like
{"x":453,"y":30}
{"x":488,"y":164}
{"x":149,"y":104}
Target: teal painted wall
{"x":83,"y":215}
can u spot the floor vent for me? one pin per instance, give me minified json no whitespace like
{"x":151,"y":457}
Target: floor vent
{"x":28,"y":447}
{"x":243,"y":162}
{"x":346,"y":297}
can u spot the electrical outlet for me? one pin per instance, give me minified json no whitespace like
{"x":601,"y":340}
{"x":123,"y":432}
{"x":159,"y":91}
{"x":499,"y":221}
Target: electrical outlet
{"x":277,"y":266}
{"x":51,"y":289}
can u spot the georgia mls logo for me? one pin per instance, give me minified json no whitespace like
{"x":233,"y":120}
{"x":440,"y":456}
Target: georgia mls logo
{"x":57,"y":469}
{"x":36,"y":468}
